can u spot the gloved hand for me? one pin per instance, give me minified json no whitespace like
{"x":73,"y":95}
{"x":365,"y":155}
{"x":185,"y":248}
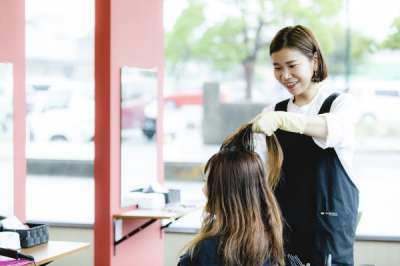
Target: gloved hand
{"x":269,"y":122}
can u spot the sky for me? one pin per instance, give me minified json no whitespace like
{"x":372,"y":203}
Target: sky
{"x":371,"y":17}
{"x":70,"y":18}
{"x":51,"y":22}
{"x":374,"y":17}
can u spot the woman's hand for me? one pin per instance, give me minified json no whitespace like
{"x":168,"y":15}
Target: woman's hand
{"x":268,"y":122}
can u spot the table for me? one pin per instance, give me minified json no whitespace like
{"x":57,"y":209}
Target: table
{"x":53,"y":250}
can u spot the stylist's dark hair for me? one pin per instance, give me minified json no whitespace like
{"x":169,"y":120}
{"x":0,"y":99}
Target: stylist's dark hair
{"x":302,"y":39}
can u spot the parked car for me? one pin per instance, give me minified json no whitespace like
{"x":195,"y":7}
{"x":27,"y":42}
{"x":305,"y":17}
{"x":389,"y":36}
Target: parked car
{"x":36,"y":95}
{"x":6,"y":119}
{"x":176,"y":120}
{"x":64,"y":115}
{"x":190,"y":97}
{"x":179,"y":99}
{"x":133,"y":104}
{"x":378,"y":105}
{"x":149,"y":124}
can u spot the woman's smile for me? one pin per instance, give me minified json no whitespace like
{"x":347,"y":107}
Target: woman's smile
{"x":291,"y":85}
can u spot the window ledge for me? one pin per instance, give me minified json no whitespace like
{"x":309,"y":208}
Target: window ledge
{"x":64,"y":224}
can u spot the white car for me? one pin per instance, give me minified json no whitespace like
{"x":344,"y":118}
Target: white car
{"x":379,"y":106}
{"x":71,"y":120}
{"x":177,"y":120}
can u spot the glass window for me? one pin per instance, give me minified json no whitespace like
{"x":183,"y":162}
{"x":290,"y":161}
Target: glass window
{"x":6,"y":140}
{"x":227,"y":43}
{"x":60,"y":110}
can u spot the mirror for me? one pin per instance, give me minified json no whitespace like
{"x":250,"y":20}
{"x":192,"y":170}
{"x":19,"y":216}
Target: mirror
{"x":6,"y":140}
{"x":138,"y":129}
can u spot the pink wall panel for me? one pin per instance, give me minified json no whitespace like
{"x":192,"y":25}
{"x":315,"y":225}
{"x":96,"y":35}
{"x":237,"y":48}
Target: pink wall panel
{"x":128,"y":33}
{"x":12,"y":50}
{"x":143,"y":249}
{"x":103,"y":222}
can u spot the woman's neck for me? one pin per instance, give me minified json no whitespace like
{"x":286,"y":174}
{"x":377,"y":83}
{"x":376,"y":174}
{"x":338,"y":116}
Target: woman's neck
{"x":307,"y":96}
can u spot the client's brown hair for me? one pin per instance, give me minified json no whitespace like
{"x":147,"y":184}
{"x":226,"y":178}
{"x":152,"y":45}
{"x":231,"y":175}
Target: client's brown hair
{"x":241,"y":209}
{"x":243,"y":139}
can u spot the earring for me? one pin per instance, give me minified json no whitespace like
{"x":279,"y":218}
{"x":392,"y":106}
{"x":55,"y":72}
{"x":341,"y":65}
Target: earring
{"x":314,"y":77}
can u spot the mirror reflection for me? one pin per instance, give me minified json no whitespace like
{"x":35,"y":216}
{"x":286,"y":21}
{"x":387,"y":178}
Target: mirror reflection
{"x":138,"y":129}
{"x":6,"y":140}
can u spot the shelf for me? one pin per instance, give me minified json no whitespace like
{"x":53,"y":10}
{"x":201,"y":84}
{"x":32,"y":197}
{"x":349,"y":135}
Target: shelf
{"x":166,"y":213}
{"x":170,"y":212}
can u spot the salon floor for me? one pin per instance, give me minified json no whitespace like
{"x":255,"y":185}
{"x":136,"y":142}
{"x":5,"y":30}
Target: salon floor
{"x":70,"y":200}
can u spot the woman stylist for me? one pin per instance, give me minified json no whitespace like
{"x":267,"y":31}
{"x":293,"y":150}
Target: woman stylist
{"x":318,"y":198}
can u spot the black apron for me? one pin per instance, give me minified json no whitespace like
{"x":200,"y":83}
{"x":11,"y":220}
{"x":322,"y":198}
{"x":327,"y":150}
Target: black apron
{"x":319,"y":201}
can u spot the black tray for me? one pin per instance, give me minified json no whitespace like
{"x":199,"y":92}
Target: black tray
{"x":35,"y":235}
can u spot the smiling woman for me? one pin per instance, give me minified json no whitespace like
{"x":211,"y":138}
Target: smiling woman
{"x":295,"y":74}
{"x":316,"y":194}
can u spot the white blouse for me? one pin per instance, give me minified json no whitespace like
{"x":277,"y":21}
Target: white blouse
{"x":340,"y":122}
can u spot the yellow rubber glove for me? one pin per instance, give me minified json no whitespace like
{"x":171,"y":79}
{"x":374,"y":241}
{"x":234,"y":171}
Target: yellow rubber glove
{"x":269,"y":122}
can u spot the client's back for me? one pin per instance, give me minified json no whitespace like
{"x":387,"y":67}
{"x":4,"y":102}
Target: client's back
{"x":242,"y":223}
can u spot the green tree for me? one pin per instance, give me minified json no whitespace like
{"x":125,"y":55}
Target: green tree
{"x":393,"y":40}
{"x":243,"y":37}
{"x":361,"y":45}
{"x":181,"y":40}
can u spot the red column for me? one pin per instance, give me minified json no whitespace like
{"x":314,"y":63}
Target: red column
{"x":12,"y":50}
{"x":128,"y":33}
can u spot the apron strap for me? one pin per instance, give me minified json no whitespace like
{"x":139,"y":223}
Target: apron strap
{"x":326,"y":106}
{"x":282,"y":106}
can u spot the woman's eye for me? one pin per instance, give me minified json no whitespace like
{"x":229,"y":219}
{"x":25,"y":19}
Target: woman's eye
{"x":277,"y":68}
{"x":292,"y":66}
